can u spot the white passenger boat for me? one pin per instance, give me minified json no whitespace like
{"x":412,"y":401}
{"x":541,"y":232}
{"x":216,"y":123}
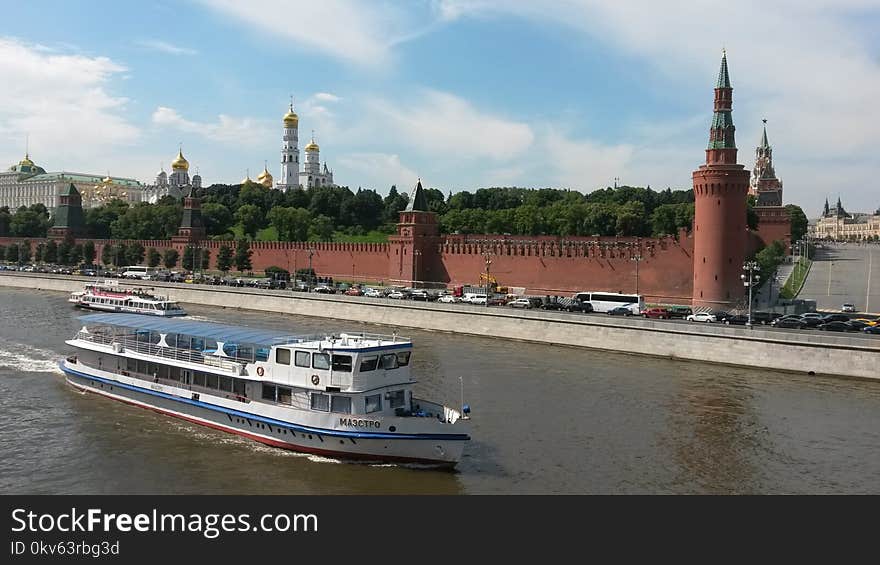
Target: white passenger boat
{"x":347,"y":396}
{"x":109,"y":296}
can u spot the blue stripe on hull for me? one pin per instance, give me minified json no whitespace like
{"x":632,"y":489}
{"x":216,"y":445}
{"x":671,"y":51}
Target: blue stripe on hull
{"x":265,"y":420}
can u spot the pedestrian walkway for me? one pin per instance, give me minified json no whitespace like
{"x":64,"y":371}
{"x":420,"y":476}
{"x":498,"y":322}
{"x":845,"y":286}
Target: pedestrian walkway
{"x":768,"y":295}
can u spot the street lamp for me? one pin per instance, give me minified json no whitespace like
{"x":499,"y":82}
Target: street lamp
{"x":637,"y":257}
{"x":311,"y":252}
{"x":750,"y":281}
{"x":488,"y":263}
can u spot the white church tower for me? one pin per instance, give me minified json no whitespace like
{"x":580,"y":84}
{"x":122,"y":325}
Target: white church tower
{"x":290,"y":152}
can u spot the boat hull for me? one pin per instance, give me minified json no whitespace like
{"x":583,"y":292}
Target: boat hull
{"x":433,"y":450}
{"x":127,"y":310}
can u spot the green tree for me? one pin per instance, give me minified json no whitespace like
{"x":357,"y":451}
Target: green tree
{"x":107,"y":254}
{"x":50,"y":253}
{"x":63,"y":256}
{"x":153,"y":258}
{"x":217,"y":218}
{"x":663,"y":221}
{"x":12,"y":253}
{"x":292,"y":224}
{"x":224,"y":258}
{"x":76,"y":254}
{"x":321,"y":229}
{"x":5,"y":221}
{"x":204,"y":258}
{"x":99,"y":219}
{"x":243,"y":254}
{"x":24,"y":252}
{"x":120,"y":255}
{"x":28,"y":223}
{"x":601,"y":219}
{"x":251,"y":219}
{"x":135,"y":253}
{"x":169,"y":258}
{"x":89,"y":252}
{"x":798,"y":221}
{"x":188,"y":255}
{"x":39,"y":253}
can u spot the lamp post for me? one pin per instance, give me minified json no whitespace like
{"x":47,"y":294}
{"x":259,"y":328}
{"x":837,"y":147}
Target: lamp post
{"x":750,"y":281}
{"x":637,"y":257}
{"x":416,"y":254}
{"x":310,"y":274}
{"x":488,"y":263}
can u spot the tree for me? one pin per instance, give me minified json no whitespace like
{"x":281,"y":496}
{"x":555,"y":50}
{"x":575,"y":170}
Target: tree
{"x":5,"y":220}
{"x":28,"y":223}
{"x":50,"y":253}
{"x":243,"y":255}
{"x":321,"y":229}
{"x":153,"y":258}
{"x":64,"y":252}
{"x":12,"y":253}
{"x":106,"y":254}
{"x":292,"y":224}
{"x":120,"y":255}
{"x":205,"y":258}
{"x":24,"y":252}
{"x":39,"y":253}
{"x":251,"y":219}
{"x":188,"y":254}
{"x":224,"y":258}
{"x":76,"y":254}
{"x":89,"y":252}
{"x":169,"y":258}
{"x":217,"y":218}
{"x":798,"y":221}
{"x":135,"y":253}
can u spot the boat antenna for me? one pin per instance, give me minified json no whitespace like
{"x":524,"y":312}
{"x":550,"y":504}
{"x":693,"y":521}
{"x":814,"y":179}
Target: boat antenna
{"x":465,"y":409}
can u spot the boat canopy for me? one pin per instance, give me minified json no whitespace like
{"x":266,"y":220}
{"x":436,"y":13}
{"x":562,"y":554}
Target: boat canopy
{"x":209,"y":330}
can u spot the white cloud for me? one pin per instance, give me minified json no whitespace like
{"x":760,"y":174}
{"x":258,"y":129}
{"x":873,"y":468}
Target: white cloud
{"x":227,"y":129}
{"x":583,"y":164}
{"x":450,"y":127}
{"x":165,"y":47}
{"x":378,"y":171}
{"x":350,"y":30}
{"x":325,"y":97}
{"x":63,"y":102}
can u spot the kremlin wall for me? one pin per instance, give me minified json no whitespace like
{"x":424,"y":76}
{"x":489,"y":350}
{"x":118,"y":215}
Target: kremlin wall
{"x":701,"y":267}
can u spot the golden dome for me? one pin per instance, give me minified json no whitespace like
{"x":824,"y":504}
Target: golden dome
{"x":290,"y":118}
{"x":246,"y":180}
{"x":179,"y":162}
{"x":107,"y":179}
{"x":26,"y":162}
{"x":312,"y":146}
{"x":265,"y":178}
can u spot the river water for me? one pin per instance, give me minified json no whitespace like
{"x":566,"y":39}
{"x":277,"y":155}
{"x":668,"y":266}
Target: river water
{"x":546,"y":419}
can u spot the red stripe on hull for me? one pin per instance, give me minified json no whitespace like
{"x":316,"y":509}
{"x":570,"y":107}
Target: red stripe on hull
{"x":277,"y":443}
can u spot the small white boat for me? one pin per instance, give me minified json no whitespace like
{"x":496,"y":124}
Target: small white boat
{"x":348,"y":396}
{"x":109,"y":296}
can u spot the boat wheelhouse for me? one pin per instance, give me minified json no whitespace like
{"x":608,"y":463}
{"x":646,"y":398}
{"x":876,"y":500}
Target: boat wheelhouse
{"x":347,"y":395}
{"x":110,"y":296}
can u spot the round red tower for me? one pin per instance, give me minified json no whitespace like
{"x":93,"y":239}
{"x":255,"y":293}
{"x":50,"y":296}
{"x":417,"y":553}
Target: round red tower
{"x":720,"y":190}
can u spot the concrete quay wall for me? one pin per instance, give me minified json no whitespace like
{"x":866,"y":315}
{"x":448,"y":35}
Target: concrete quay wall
{"x":814,"y":352}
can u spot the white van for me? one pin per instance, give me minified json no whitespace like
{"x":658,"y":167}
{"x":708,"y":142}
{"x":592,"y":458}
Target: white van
{"x":474,"y":298}
{"x":138,"y":272}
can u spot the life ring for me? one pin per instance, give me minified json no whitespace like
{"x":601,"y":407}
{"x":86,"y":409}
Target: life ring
{"x":260,"y":371}
{"x":316,"y":379}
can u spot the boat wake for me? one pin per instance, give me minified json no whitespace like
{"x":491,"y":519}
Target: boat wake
{"x":29,"y":359}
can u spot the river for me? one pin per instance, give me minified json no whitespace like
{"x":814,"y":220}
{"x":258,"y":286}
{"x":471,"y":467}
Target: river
{"x":546,"y":419}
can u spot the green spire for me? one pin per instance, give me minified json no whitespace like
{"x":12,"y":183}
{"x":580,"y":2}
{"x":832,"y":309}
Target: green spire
{"x":723,"y":77}
{"x":418,"y":202}
{"x":69,"y":191}
{"x":764,"y":143}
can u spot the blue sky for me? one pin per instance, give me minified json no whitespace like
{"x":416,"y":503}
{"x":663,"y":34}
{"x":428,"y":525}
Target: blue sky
{"x":462,"y":93}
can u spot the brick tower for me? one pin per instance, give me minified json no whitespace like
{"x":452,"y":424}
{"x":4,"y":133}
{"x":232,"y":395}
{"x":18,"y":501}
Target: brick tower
{"x":720,"y":190}
{"x":69,"y":220}
{"x":415,"y":259}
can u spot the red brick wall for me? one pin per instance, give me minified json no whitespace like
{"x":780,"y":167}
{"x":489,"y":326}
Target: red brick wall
{"x":774,"y":224}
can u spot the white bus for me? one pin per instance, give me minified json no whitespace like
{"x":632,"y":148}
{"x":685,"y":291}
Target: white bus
{"x":138,"y":272}
{"x":605,"y":301}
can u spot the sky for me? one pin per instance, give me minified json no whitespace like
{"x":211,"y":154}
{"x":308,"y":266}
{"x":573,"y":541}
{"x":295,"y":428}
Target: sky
{"x":460,"y":93}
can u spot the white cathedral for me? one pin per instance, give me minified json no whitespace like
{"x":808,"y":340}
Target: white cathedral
{"x":312,"y":174}
{"x":178,"y":184}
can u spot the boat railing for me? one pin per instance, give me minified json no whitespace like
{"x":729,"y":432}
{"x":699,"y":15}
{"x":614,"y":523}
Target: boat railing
{"x":341,"y":339}
{"x":147,"y":348}
{"x":186,"y":386}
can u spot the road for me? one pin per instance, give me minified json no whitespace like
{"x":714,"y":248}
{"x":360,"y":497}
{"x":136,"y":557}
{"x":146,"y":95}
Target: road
{"x":844,"y":273}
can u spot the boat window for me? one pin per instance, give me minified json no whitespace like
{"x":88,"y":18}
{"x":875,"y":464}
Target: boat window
{"x":282,"y":356}
{"x":369,"y":363}
{"x":199,"y":379}
{"x":373,"y":403}
{"x":403,"y":358}
{"x":226,"y":384}
{"x":131,"y":364}
{"x":342,"y":363}
{"x":198,"y":344}
{"x":340,"y":404}
{"x":396,"y":399}
{"x":320,"y":360}
{"x":269,"y":392}
{"x":263,"y":354}
{"x":211,"y":381}
{"x":285,"y":395}
{"x":389,"y":361}
{"x":238,"y":386}
{"x":319,"y":401}
{"x":142,"y":367}
{"x":302,"y":359}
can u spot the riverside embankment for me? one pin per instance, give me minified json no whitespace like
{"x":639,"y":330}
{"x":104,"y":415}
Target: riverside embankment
{"x":806,"y":352}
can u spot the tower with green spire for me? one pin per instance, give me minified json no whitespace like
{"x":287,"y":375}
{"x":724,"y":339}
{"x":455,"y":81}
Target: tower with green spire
{"x":764,"y":184}
{"x":416,"y":258}
{"x":68,"y":219}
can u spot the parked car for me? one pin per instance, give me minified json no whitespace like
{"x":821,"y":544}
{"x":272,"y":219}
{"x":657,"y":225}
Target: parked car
{"x":835,"y":318}
{"x":680,"y":311}
{"x":858,"y":324}
{"x":324,"y":289}
{"x":579,"y":306}
{"x":872,"y":330}
{"x":790,"y":322}
{"x":867,"y":321}
{"x":449,"y":299}
{"x":354,"y":291}
{"x":419,"y":295}
{"x":847,"y":307}
{"x":521,"y":303}
{"x":397,"y":295}
{"x":764,"y":318}
{"x":811,"y":321}
{"x":660,"y":313}
{"x":620,"y":311}
{"x":722,"y":315}
{"x":737,"y":320}
{"x":702,"y":317}
{"x":550,"y":304}
{"x":837,"y":327}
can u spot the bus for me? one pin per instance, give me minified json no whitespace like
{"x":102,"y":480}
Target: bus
{"x":139,"y":272}
{"x":605,"y":301}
